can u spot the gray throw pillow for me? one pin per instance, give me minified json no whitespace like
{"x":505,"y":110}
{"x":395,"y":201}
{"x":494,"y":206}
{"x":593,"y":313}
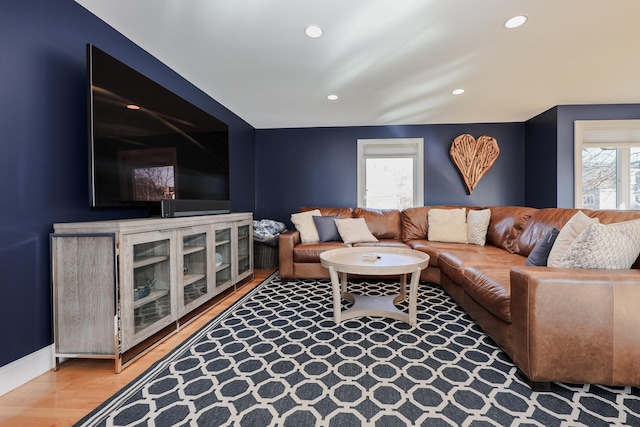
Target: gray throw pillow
{"x":540,"y":252}
{"x":326,"y":226}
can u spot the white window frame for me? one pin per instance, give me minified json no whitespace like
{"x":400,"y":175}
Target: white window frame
{"x":621,"y":134}
{"x":392,"y":148}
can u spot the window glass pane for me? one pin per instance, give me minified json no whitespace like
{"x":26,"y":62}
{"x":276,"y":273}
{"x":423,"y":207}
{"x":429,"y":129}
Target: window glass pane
{"x":599,"y":178}
{"x":389,"y":183}
{"x":634,"y":177}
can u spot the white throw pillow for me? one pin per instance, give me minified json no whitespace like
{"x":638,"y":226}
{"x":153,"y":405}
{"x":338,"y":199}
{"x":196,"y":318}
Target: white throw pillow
{"x":354,"y":230}
{"x":303,"y":222}
{"x":447,"y":225}
{"x":576,"y":225}
{"x":477,"y":225}
{"x":612,"y":246}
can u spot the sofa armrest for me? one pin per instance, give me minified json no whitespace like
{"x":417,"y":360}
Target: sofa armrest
{"x":576,"y":325}
{"x":286,"y":242}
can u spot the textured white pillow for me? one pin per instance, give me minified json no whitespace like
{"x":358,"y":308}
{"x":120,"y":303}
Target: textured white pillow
{"x":567,"y":235}
{"x":354,"y":230}
{"x":477,"y":225}
{"x":303,"y":222}
{"x":612,"y":246}
{"x":447,"y":225}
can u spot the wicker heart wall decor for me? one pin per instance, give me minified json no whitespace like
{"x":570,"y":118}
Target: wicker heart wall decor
{"x":473,"y":158}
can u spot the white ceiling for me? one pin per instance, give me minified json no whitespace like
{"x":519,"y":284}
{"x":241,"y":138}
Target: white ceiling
{"x":390,"y":61}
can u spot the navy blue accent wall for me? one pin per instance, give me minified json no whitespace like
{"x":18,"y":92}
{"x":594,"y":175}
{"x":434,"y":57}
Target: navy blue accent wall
{"x":549,"y":152}
{"x":540,"y":160}
{"x":43,"y":150}
{"x":318,"y":166}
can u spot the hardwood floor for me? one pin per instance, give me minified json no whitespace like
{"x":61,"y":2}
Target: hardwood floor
{"x":60,"y":398}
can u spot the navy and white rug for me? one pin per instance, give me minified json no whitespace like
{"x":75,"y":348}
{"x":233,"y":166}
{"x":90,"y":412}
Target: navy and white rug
{"x":276,"y":358}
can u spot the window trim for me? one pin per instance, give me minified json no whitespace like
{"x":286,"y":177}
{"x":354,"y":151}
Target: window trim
{"x":395,"y":148}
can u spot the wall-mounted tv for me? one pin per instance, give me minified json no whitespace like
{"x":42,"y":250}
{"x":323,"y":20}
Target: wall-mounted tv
{"x":148,"y":146}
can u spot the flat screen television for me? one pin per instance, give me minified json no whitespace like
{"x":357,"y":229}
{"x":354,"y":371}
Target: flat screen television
{"x":150,"y":148}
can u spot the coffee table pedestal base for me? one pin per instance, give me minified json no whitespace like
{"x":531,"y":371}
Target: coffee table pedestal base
{"x":382,"y":306}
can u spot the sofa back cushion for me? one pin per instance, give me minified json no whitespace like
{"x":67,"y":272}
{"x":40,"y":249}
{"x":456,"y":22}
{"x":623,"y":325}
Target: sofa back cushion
{"x":506,"y":225}
{"x":540,"y":223}
{"x":383,"y":223}
{"x":415,"y":225}
{"x":341,"y":212}
{"x":611,"y":216}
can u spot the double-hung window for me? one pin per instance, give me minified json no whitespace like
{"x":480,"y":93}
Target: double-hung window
{"x":390,"y":173}
{"x":607,"y":164}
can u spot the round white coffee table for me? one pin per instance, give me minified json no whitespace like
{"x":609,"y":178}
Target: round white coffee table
{"x":374,"y":261}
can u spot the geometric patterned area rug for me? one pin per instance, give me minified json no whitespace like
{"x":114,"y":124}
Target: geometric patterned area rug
{"x":276,"y":358}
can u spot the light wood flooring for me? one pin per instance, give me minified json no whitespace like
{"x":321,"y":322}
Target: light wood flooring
{"x":60,"y":398}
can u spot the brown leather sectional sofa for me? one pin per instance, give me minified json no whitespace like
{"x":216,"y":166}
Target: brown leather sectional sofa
{"x":557,"y":324}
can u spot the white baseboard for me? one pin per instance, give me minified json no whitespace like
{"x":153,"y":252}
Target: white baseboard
{"x":25,"y":369}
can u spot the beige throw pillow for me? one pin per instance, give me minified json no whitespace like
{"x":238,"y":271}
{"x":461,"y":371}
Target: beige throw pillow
{"x":447,"y":225}
{"x":576,"y":225}
{"x":354,"y":230}
{"x":612,"y":246}
{"x":304,"y":223}
{"x":477,"y":225}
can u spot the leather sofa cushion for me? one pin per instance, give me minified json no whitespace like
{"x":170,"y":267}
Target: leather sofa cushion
{"x":383,"y":223}
{"x":453,"y":263}
{"x":491,"y":288}
{"x":611,"y":216}
{"x":540,"y":223}
{"x":341,"y":212}
{"x":310,"y":252}
{"x":386,"y":243}
{"x":434,"y":249}
{"x":507,"y":222}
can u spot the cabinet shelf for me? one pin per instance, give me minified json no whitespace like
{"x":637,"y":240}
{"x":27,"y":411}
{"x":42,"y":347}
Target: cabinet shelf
{"x":188,"y":250}
{"x":149,"y":260}
{"x":222,"y":266}
{"x":153,"y":296}
{"x":192,"y":278}
{"x":222,"y":242}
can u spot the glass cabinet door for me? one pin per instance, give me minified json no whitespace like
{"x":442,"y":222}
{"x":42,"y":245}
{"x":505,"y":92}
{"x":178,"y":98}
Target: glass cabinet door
{"x":195,"y":268}
{"x":147,"y":300}
{"x":223,"y":258}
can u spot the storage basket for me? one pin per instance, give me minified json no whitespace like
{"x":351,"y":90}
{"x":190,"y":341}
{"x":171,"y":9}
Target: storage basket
{"x":265,"y":256}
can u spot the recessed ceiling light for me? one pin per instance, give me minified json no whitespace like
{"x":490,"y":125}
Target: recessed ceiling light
{"x":516,"y":21}
{"x":313,"y":31}
{"x":332,"y":97}
{"x":133,"y":107}
{"x":457,"y":91}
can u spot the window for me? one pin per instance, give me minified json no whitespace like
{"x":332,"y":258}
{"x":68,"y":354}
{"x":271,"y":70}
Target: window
{"x":390,"y":173}
{"x":607,"y":164}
